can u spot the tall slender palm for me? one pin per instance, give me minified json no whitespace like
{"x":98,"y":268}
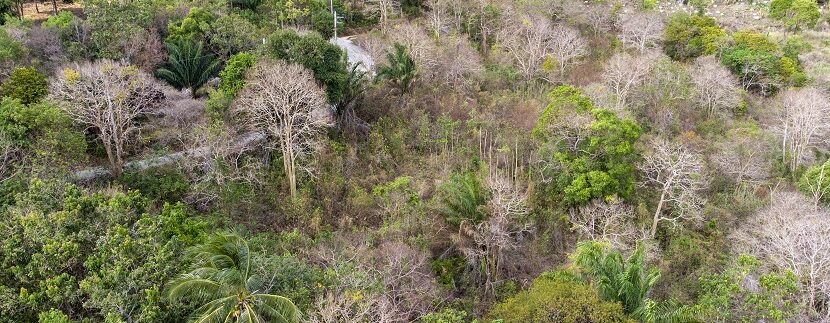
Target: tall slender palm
{"x":401,"y":69}
{"x":188,"y":66}
{"x":224,"y":284}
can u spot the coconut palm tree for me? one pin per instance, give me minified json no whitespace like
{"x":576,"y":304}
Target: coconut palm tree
{"x":188,"y":66}
{"x":401,"y":69}
{"x":223,"y":283}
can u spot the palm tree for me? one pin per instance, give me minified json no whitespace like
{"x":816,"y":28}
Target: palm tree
{"x":401,"y":70}
{"x":463,"y":198}
{"x":624,"y":281}
{"x":188,"y":66}
{"x":224,"y":284}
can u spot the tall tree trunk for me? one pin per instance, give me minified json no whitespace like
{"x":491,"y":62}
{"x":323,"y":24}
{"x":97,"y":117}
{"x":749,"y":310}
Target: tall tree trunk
{"x":55,"y":7}
{"x":657,"y":212}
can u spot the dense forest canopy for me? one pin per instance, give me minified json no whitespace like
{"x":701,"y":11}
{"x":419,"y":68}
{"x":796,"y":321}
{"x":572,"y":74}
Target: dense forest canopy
{"x":434,"y":161}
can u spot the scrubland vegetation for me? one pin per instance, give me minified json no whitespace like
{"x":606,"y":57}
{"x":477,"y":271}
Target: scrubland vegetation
{"x":467,"y":161}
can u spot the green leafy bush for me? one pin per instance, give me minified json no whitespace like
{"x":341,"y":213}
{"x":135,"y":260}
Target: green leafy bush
{"x":193,"y":28}
{"x":815,"y":182}
{"x":99,"y":256}
{"x":759,"y":64}
{"x":796,"y":14}
{"x":689,"y":36}
{"x":600,"y":166}
{"x":25,"y":84}
{"x":159,"y":184}
{"x":10,"y":49}
{"x":555,"y":297}
{"x":62,"y":20}
{"x":232,"y":77}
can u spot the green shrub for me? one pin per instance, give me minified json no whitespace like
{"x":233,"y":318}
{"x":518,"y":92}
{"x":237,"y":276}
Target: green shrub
{"x":689,"y":36}
{"x":159,"y":184}
{"x":10,"y":49}
{"x":602,"y":165}
{"x":61,"y":21}
{"x":232,"y":77}
{"x":448,"y":315}
{"x":759,"y":64}
{"x":232,"y":34}
{"x":796,"y":14}
{"x":558,"y":298}
{"x":815,"y":182}
{"x":326,"y":60}
{"x":25,"y":84}
{"x":193,"y":28}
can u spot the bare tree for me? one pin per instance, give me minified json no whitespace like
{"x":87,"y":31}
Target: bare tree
{"x":676,"y":173}
{"x":641,"y":30}
{"x":606,"y":221}
{"x":742,"y":157}
{"x":792,"y":233}
{"x":486,"y":244}
{"x":108,"y":97}
{"x":567,"y":47}
{"x":598,"y":17}
{"x":421,"y":47}
{"x":459,"y":61}
{"x":284,"y":101}
{"x":714,"y":87}
{"x":533,"y":42}
{"x":804,"y":120}
{"x":391,"y":283}
{"x":623,"y":74}
{"x":438,"y":16}
{"x":384,"y":9}
{"x":527,"y":42}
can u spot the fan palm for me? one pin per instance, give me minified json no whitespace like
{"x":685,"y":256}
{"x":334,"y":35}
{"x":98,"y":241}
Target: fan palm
{"x":401,"y":69}
{"x":188,"y":65}
{"x":226,"y":288}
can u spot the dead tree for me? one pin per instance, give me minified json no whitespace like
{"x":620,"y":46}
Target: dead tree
{"x":676,"y":173}
{"x":284,"y":101}
{"x":107,"y":97}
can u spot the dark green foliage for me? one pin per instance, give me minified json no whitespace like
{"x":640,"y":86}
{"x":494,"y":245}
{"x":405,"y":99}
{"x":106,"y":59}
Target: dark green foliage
{"x":326,"y":60}
{"x":93,"y":256}
{"x":112,"y":23}
{"x":556,"y":297}
{"x":759,"y":64}
{"x":159,"y":184}
{"x":223,"y":282}
{"x":626,"y":281}
{"x":601,"y":164}
{"x":463,"y":199}
{"x":401,"y":69}
{"x":246,"y":4}
{"x":689,"y":36}
{"x":232,"y":77}
{"x":188,"y":66}
{"x":25,"y":84}
{"x":727,"y":296}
